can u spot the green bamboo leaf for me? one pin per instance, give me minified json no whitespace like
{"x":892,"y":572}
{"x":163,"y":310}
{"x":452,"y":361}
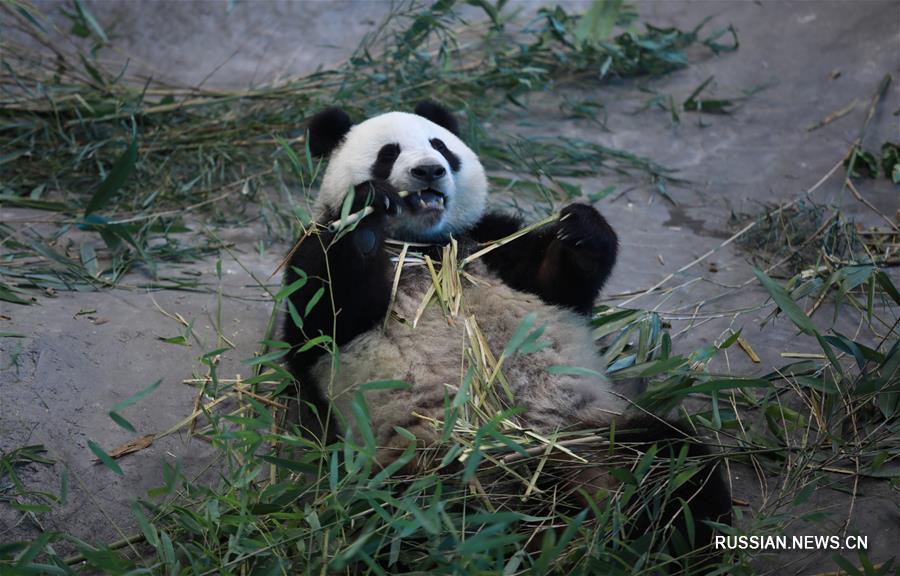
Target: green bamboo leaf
{"x":294,"y":314}
{"x":860,"y":352}
{"x":32,"y":203}
{"x":291,"y":288}
{"x":292,"y":465}
{"x":105,"y":458}
{"x":716,"y":385}
{"x":270,"y":357}
{"x":114,"y":411}
{"x":292,"y":156}
{"x":121,"y":421}
{"x":7,"y":294}
{"x":117,"y":176}
{"x":821,"y":384}
{"x":647,"y":369}
{"x":33,"y":508}
{"x":574,"y":371}
{"x":519,"y":335}
{"x":92,"y":71}
{"x":89,"y":259}
{"x":91,"y":21}
{"x":168,"y":551}
{"x":532,"y":344}
{"x":683,"y":476}
{"x":36,"y":547}
{"x":317,"y":341}
{"x":386,"y":385}
{"x":846,"y":565}
{"x":147,"y":528}
{"x":688,"y":521}
{"x":888,"y":286}
{"x":363,"y":422}
{"x":136,"y":397}
{"x":786,"y":303}
{"x":313,"y":301}
{"x":598,"y":22}
{"x":24,"y":12}
{"x":492,"y":11}
{"x":730,"y":340}
{"x":408,"y":453}
{"x":853,"y":276}
{"x":805,"y":492}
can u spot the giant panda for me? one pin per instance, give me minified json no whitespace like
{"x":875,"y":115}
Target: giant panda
{"x":418,"y":182}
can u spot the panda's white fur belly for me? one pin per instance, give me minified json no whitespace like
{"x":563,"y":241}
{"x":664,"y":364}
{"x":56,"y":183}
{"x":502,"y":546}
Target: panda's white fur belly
{"x":430,"y":357}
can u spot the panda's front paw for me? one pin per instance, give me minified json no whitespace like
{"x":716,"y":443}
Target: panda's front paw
{"x":380,"y":195}
{"x":582,"y":227}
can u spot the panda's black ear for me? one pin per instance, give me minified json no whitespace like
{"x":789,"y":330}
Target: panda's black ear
{"x":438,"y":114}
{"x":326,"y":130}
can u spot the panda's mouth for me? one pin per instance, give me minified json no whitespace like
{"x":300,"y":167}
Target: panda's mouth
{"x":426,"y":200}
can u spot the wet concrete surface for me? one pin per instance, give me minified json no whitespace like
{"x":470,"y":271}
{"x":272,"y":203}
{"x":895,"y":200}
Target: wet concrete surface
{"x":59,"y":382}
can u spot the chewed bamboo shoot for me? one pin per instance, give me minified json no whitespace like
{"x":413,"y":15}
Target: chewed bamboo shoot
{"x":355,"y":217}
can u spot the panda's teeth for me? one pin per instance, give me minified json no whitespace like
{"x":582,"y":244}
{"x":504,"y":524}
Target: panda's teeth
{"x":441,"y":200}
{"x":422,"y":203}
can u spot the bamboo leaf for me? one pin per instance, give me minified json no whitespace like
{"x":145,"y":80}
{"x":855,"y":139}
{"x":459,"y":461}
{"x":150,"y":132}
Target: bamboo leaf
{"x":7,"y":294}
{"x":117,"y":176}
{"x":291,"y":288}
{"x":136,"y":397}
{"x":91,"y":21}
{"x":716,"y":385}
{"x":784,"y":301}
{"x":598,"y":22}
{"x":149,"y":530}
{"x":105,"y":458}
{"x":314,"y":300}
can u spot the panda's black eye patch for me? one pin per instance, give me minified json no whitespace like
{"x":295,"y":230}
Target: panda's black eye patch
{"x":452,"y":159}
{"x":384,"y":163}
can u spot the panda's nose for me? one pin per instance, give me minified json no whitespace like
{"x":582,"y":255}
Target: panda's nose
{"x":428,"y":172}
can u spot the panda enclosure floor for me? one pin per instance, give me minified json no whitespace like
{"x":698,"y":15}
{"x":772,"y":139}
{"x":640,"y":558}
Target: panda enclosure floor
{"x":75,"y":364}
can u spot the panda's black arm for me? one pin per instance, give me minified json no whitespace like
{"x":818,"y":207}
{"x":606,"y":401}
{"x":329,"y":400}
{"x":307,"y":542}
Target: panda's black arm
{"x":565,"y":263}
{"x":353,"y":273}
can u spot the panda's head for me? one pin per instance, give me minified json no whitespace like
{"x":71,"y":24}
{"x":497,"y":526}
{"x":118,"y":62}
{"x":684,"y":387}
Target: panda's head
{"x":418,"y":153}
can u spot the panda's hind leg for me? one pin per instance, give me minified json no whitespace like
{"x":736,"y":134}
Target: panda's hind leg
{"x":706,"y":492}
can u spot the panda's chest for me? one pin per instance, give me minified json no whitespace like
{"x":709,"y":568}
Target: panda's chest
{"x":431,"y":292}
{"x":414,"y":295}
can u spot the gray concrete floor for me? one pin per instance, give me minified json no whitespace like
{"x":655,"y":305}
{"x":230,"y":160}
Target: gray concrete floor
{"x":71,"y":369}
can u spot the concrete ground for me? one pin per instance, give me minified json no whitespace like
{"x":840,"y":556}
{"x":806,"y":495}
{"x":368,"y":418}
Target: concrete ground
{"x":58,"y":383}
